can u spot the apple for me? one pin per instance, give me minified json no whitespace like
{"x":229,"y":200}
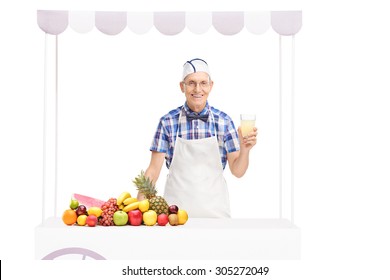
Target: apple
{"x":173,"y":219}
{"x":120,"y":218}
{"x":135,"y":217}
{"x":173,"y":209}
{"x":92,"y":220}
{"x":81,"y":210}
{"x":149,"y":217}
{"x":162,"y":219}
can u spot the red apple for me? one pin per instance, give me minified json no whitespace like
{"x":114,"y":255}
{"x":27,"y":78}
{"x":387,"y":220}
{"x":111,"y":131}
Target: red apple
{"x":81,"y":210}
{"x":92,"y":220}
{"x":135,"y":217}
{"x":162,"y":219}
{"x":173,"y":209}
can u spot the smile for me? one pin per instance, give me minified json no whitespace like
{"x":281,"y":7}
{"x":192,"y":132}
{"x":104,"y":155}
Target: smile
{"x":197,"y":95}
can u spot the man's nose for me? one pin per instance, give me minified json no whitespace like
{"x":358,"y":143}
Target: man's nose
{"x":198,"y":87}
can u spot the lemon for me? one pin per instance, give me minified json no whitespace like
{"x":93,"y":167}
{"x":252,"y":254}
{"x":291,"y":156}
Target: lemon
{"x":95,"y":211}
{"x":182,"y":216}
{"x":143,"y":205}
{"x":82,"y":220}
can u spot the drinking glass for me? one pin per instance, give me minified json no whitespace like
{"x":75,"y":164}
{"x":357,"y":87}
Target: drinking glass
{"x":247,"y":123}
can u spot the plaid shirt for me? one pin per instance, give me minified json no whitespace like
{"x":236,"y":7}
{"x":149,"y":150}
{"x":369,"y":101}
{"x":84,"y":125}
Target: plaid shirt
{"x":165,"y":136}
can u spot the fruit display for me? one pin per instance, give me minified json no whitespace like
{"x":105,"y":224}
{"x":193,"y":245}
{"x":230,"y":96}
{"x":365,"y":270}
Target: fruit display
{"x":146,"y":187}
{"x":125,"y":209}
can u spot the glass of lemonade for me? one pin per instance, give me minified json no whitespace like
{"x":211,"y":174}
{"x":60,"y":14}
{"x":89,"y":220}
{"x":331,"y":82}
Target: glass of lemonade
{"x":247,"y":123}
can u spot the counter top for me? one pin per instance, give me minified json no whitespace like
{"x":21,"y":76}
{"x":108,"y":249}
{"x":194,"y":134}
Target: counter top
{"x":199,"y":238}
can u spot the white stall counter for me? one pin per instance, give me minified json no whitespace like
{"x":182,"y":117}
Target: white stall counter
{"x":202,"y":239}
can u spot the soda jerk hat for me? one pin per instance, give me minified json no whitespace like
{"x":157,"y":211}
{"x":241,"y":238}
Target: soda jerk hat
{"x":195,"y":65}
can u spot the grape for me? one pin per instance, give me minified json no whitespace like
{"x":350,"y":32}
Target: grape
{"x":108,"y":208}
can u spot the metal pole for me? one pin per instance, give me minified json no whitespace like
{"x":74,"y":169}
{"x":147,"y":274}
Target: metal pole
{"x":44,"y":182}
{"x":292,"y":123}
{"x":56,"y":130}
{"x":280,"y":131}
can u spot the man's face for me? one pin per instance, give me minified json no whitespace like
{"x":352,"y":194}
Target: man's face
{"x":196,"y":87}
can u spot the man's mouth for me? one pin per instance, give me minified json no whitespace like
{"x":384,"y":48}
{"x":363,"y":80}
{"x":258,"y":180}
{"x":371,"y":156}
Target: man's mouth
{"x":197,"y":95}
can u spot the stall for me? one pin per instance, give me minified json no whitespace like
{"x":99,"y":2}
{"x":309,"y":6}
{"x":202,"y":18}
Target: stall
{"x":237,"y":238}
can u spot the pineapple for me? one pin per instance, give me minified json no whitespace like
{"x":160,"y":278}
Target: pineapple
{"x":148,"y":189}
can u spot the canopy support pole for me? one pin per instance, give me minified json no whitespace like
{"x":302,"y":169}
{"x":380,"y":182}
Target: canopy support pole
{"x":286,"y":126}
{"x":50,"y":124}
{"x":280,"y":130}
{"x":292,"y":124}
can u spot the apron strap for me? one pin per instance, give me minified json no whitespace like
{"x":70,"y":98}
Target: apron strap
{"x":179,"y":125}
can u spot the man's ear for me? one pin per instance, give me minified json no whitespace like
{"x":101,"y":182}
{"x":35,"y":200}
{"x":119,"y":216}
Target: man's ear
{"x":211,"y":84}
{"x":182,"y":86}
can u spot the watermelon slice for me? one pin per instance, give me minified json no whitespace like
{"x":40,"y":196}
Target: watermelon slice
{"x":88,"y":201}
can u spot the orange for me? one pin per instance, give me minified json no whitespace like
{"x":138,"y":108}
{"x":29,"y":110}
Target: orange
{"x":69,"y":217}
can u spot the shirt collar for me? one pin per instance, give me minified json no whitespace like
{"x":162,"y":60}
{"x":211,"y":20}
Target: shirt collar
{"x":188,"y":111}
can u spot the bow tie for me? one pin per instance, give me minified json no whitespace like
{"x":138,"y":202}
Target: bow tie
{"x":198,"y":117}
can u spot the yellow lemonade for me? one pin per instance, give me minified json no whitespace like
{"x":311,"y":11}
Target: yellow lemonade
{"x":247,"y":127}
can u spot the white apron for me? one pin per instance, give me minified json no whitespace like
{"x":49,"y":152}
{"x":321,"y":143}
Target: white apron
{"x":195,"y":181}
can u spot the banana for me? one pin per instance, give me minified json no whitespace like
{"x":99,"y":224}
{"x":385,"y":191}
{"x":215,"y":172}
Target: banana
{"x":122,"y":197}
{"x":129,"y":200}
{"x":131,"y":206}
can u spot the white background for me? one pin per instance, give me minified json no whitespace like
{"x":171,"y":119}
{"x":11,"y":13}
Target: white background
{"x":342,"y":151}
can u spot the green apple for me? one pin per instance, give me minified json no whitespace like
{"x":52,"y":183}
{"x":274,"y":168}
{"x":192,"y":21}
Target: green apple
{"x":120,"y":218}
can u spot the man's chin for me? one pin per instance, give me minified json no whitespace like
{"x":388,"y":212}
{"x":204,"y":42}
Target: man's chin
{"x":197,"y":106}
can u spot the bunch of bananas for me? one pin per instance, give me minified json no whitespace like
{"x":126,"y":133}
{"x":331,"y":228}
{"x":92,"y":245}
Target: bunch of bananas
{"x":127,"y":203}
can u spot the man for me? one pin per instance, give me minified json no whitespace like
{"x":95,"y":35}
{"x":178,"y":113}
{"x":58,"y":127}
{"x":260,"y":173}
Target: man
{"x":197,"y":140}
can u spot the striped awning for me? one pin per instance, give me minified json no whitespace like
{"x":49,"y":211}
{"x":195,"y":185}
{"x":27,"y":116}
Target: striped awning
{"x":55,"y":22}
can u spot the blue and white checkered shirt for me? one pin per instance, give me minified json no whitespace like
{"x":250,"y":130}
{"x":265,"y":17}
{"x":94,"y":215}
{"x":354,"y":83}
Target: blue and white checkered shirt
{"x":165,"y":135}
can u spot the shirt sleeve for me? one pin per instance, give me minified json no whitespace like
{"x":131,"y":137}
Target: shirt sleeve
{"x":232,"y":142}
{"x":160,"y":141}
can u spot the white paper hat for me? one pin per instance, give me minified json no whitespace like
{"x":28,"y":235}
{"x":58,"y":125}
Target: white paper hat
{"x":195,"y":65}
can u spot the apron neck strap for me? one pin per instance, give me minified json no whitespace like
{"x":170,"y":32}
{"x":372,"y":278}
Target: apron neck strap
{"x":179,"y":125}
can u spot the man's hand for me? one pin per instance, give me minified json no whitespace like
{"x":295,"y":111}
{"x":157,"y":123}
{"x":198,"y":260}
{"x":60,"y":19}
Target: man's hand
{"x":247,"y":142}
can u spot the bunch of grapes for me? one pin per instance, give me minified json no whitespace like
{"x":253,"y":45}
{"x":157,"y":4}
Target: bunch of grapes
{"x":108,"y":208}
